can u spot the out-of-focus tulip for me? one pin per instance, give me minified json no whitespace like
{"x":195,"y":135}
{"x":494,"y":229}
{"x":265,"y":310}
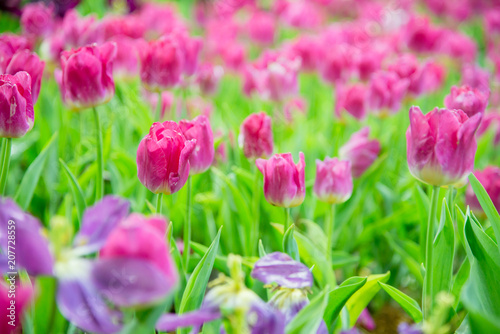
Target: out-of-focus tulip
{"x":490,"y":120}
{"x":299,"y":14}
{"x":163,"y":158}
{"x":441,"y":146}
{"x":490,"y":179}
{"x":24,"y":60}
{"x":137,"y":245}
{"x":126,"y":63}
{"x":333,"y":180}
{"x":352,"y":99}
{"x":12,"y":313}
{"x":208,"y":77}
{"x":470,"y":100}
{"x":407,"y":67}
{"x":338,"y":66}
{"x":386,"y":92}
{"x":284,"y":181}
{"x":10,"y":44}
{"x":262,"y":27}
{"x":162,"y":64}
{"x":433,"y":76}
{"x":256,"y":136}
{"x":85,"y":78}
{"x":361,"y":151}
{"x":476,"y":77}
{"x":309,"y":50}
{"x":421,"y":36}
{"x":16,"y":105}
{"x":200,"y":130}
{"x":191,"y":48}
{"x":37,"y":19}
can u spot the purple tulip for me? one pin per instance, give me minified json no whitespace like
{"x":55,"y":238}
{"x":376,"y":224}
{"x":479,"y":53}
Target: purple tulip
{"x":284,"y":181}
{"x":281,"y":269}
{"x":203,"y":154}
{"x":24,"y":60}
{"x":256,"y":136}
{"x":163,"y":158}
{"x":16,"y":105}
{"x":85,"y":78}
{"x":470,"y":100}
{"x":405,"y":328}
{"x":333,"y":180}
{"x":441,"y":146}
{"x":360,"y":151}
{"x":490,"y":179}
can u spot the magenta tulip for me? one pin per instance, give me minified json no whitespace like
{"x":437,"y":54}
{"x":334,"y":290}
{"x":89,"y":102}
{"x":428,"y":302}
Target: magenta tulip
{"x":200,"y":130}
{"x":470,"y":100}
{"x":37,"y":19}
{"x":24,"y":60}
{"x":261,"y":27}
{"x":256,"y":136}
{"x":441,"y":146}
{"x":85,"y":78}
{"x":333,"y":180}
{"x":361,"y":151}
{"x":16,"y":106}
{"x":284,"y":181}
{"x":386,"y":92}
{"x":163,"y":158}
{"x":490,"y":179}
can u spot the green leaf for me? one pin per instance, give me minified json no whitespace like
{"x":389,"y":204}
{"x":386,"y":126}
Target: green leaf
{"x":145,"y":320}
{"x":262,"y":251}
{"x":290,"y":245}
{"x":459,"y":280}
{"x":30,"y":179}
{"x":339,"y":296}
{"x":197,"y":283}
{"x":310,"y":316}
{"x":407,"y":303}
{"x":486,"y":203}
{"x":412,"y":264}
{"x":360,"y":300}
{"x":444,"y":250}
{"x":76,"y":190}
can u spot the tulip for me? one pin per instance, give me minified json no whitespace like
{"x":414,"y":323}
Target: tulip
{"x":490,"y":179}
{"x":161,"y":64}
{"x":12,"y":314}
{"x":407,"y":67}
{"x":262,"y":27}
{"x":476,"y":77}
{"x":284,"y":181}
{"x":256,"y":136}
{"x":16,"y":105}
{"x":163,"y":158}
{"x":441,"y":146}
{"x":37,"y":19}
{"x":333,"y":180}
{"x":24,"y":60}
{"x":208,"y":77}
{"x":10,"y":44}
{"x":203,"y":155}
{"x":352,"y":99}
{"x":85,"y":78}
{"x":470,"y":100}
{"x":360,"y":151}
{"x":126,"y":63}
{"x":386,"y":92}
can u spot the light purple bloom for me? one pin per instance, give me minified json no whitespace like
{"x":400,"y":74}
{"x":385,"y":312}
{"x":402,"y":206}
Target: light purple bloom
{"x":281,"y":269}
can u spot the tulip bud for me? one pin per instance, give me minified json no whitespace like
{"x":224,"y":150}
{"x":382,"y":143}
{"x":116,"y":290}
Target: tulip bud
{"x":284,"y":181}
{"x":163,"y":158}
{"x":256,"y":136}
{"x":16,"y":106}
{"x":333,"y":180}
{"x":161,"y":64}
{"x":470,"y":100}
{"x":490,"y":179}
{"x":85,"y":78}
{"x":37,"y":19}
{"x":441,"y":146}
{"x":24,"y":60}
{"x":203,"y":155}
{"x":360,"y":151}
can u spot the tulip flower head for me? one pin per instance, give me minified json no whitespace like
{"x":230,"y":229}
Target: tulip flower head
{"x":16,"y":106}
{"x":24,"y":60}
{"x":37,"y":19}
{"x":163,"y":158}
{"x":352,"y":99}
{"x":361,"y":151}
{"x":333,"y":180}
{"x":256,"y":136}
{"x":284,"y":181}
{"x":470,"y":100}
{"x":203,"y":154}
{"x":441,"y":146}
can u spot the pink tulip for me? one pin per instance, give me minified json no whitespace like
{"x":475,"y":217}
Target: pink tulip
{"x":308,"y":49}
{"x":458,"y":46}
{"x":441,"y":146}
{"x":163,"y":158}
{"x":352,"y":99}
{"x":407,"y":67}
{"x":162,"y":64}
{"x":333,"y":180}
{"x":284,"y":181}
{"x":203,"y":155}
{"x":37,"y":19}
{"x":10,"y":44}
{"x":338,"y":65}
{"x":476,"y":77}
{"x":126,"y":63}
{"x":421,"y":36}
{"x":24,"y":60}
{"x":490,"y":179}
{"x":208,"y":77}
{"x":12,"y":314}
{"x":386,"y":92}
{"x":261,"y":27}
{"x":470,"y":100}
{"x":85,"y":78}
{"x":256,"y":136}
{"x":490,"y":120}
{"x":16,"y":105}
{"x":299,"y":14}
{"x":433,"y":76}
{"x":360,"y":151}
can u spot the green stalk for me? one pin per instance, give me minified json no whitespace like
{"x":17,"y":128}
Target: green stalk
{"x":329,"y":230}
{"x":254,"y":241}
{"x":287,"y":219}
{"x":99,"y":185}
{"x":187,"y":227}
{"x":159,"y":199}
{"x":6,"y":149}
{"x":429,"y":247}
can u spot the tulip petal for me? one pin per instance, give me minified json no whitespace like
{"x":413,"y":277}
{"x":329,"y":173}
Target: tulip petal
{"x":281,"y":269}
{"x":170,"y":321}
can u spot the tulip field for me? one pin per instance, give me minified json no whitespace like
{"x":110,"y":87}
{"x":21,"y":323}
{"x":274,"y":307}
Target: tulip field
{"x":250,"y":166}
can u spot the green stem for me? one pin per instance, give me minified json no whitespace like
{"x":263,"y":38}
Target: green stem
{"x":159,"y":199}
{"x":99,"y":185}
{"x":6,"y":149}
{"x":254,"y":241}
{"x":429,"y":247}
{"x":187,"y":227}
{"x":158,"y":107}
{"x":329,"y":230}
{"x":287,"y":219}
